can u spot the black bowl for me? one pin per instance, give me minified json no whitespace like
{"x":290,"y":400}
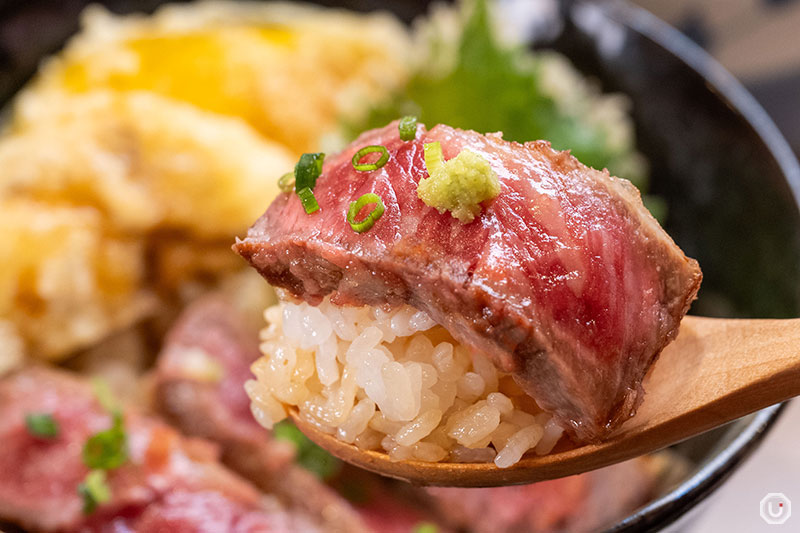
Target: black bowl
{"x":730,"y":180}
{"x":732,"y":185}
{"x":733,"y":188}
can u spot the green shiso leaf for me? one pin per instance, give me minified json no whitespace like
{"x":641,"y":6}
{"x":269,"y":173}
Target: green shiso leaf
{"x":492,"y":87}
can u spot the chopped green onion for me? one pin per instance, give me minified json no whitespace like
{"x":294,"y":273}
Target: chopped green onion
{"x":426,"y":527}
{"x":107,"y":449}
{"x":307,"y":170}
{"x":434,"y":159}
{"x":94,"y":490}
{"x":408,"y":128}
{"x":42,"y":425}
{"x":286,"y":182}
{"x":372,"y":217}
{"x":366,"y":167}
{"x":309,"y":200}
{"x":103,"y":451}
{"x":102,"y":391}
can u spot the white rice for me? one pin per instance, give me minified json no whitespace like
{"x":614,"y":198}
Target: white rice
{"x":393,"y":381}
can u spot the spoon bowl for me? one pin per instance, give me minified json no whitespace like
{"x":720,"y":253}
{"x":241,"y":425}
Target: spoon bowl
{"x":717,"y":370}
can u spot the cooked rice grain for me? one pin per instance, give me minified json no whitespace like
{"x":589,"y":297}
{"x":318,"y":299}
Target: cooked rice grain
{"x":393,"y":381}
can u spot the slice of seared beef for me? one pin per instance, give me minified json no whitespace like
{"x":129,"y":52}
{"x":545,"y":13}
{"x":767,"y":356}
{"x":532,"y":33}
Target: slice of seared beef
{"x":564,"y":279}
{"x":169,"y":483}
{"x":583,"y":503}
{"x":199,"y":387}
{"x":211,"y":403}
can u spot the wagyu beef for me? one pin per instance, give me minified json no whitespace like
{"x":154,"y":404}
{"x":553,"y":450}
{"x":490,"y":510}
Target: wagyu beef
{"x":199,"y":387}
{"x":169,"y":483}
{"x":564,"y":279}
{"x":591,"y":501}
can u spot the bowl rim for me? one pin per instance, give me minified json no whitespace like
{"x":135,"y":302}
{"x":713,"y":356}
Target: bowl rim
{"x":675,"y":504}
{"x":729,"y":89}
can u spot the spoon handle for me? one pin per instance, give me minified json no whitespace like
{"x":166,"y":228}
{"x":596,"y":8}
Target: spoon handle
{"x":718,"y":370}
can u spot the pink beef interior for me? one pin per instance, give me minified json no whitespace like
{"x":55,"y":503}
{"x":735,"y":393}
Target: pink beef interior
{"x":168,"y":484}
{"x":564,"y":279}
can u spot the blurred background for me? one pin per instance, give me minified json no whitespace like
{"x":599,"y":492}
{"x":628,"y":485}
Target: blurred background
{"x":759,"y":42}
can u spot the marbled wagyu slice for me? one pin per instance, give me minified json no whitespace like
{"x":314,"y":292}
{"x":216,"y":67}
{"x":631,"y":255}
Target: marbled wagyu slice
{"x":564,"y":279}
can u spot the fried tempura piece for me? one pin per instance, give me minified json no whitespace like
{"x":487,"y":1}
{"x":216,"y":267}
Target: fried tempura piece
{"x":165,"y":135}
{"x":65,"y":282}
{"x":94,"y":185}
{"x":144,"y":161}
{"x":290,"y":71}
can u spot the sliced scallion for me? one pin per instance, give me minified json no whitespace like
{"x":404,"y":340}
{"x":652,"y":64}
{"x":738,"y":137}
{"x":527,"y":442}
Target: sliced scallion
{"x":372,"y":217}
{"x":102,"y":391}
{"x":307,"y":170}
{"x":434,"y":159}
{"x":408,"y":128}
{"x":286,"y":182}
{"x":308,"y":200}
{"x":366,"y":167}
{"x":42,"y":425}
{"x":107,"y":449}
{"x":94,"y":490}
{"x":425,"y":527}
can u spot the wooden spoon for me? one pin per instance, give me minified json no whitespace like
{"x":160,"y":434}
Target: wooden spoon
{"x":717,"y":370}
